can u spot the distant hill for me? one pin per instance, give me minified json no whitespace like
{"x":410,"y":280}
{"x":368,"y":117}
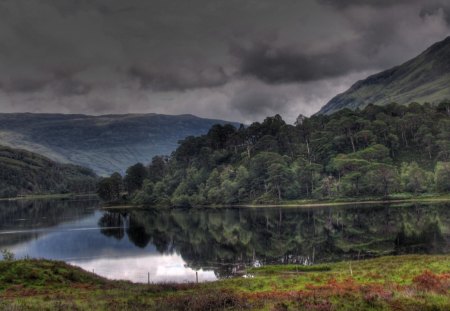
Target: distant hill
{"x":105,"y":143}
{"x":23,"y":172}
{"x":425,"y":78}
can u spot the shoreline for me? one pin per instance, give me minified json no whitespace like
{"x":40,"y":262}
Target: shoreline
{"x":49,"y":196}
{"x":296,"y":204}
{"x":432,"y":198}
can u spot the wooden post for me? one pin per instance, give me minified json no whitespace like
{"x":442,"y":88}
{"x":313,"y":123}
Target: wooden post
{"x":148,"y":278}
{"x":196,"y":276}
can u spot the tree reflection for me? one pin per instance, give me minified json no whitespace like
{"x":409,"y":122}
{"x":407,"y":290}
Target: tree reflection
{"x":220,"y":238}
{"x":113,"y":225}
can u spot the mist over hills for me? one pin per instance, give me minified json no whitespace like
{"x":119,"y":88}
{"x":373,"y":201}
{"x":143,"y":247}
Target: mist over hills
{"x":425,"y":78}
{"x":104,"y":143}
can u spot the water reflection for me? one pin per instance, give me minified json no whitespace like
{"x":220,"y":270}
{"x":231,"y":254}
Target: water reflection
{"x":162,"y":268}
{"x":172,"y":245}
{"x":21,"y":221}
{"x":223,"y":239}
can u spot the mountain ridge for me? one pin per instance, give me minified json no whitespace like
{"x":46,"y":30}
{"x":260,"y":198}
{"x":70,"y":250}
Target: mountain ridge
{"x":105,"y":143}
{"x":424,"y":78}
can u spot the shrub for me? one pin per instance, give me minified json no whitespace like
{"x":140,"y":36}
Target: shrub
{"x":7,"y":255}
{"x":442,"y":176}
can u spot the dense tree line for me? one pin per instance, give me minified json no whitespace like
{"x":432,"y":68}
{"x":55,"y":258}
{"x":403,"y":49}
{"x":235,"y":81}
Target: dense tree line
{"x":377,"y":151}
{"x":23,"y":172}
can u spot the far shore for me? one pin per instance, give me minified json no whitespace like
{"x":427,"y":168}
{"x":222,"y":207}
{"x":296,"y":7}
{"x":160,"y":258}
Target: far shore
{"x":425,"y":198}
{"x":304,"y":203}
{"x":50,"y":196}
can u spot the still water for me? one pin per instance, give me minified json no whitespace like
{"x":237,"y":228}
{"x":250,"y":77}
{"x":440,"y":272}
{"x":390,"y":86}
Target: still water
{"x":174,"y":245}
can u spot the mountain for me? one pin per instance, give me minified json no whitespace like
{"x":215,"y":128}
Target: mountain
{"x":425,"y":78}
{"x":105,"y":143}
{"x":25,"y":172}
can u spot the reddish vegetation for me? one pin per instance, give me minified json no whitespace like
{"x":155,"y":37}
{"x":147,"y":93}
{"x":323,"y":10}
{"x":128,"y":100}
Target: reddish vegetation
{"x":204,"y":300}
{"x":375,"y":292}
{"x":317,"y":297}
{"x":332,"y":294}
{"x":429,"y":281}
{"x":19,"y":291}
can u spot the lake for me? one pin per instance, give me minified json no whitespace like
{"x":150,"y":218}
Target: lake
{"x":173,"y":245}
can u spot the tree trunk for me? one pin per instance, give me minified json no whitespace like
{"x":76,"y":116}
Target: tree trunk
{"x":309,"y":152}
{"x":353,"y":143}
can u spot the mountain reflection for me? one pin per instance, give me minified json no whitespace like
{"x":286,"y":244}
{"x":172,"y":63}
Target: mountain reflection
{"x":222,"y":238}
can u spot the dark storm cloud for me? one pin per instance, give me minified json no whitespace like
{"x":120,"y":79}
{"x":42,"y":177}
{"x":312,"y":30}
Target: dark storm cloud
{"x":286,"y":65}
{"x":234,"y":59}
{"x":375,"y":28}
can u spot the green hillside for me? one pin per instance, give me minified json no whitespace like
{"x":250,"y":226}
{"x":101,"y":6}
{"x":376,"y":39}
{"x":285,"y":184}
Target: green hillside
{"x":376,"y":152}
{"x":105,"y":143}
{"x":425,"y":78}
{"x":23,"y":172}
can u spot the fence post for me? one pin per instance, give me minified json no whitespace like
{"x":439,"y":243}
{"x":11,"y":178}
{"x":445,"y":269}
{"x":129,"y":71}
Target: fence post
{"x":196,"y":276}
{"x":148,"y":278}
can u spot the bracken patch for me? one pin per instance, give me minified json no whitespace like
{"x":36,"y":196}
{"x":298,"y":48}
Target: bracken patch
{"x":213,"y":300}
{"x":429,"y":281}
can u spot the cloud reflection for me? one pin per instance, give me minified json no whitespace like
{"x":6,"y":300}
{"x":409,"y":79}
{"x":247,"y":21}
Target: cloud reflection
{"x":162,"y":269}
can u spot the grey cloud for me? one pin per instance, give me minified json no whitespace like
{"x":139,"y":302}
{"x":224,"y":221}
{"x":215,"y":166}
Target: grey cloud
{"x":181,"y":79}
{"x":24,"y":85}
{"x":72,"y":87}
{"x":258,"y":103}
{"x":61,"y":82}
{"x":102,"y":56}
{"x":435,"y":9}
{"x":372,"y":3}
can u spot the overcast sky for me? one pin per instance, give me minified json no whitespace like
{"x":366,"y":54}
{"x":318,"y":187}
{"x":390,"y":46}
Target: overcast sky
{"x":238,"y":60}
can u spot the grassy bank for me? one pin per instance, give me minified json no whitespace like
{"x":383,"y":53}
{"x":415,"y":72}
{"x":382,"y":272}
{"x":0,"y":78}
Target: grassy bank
{"x":417,"y":282}
{"x":398,"y":198}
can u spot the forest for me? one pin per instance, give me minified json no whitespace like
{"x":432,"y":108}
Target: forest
{"x":23,"y":172}
{"x":374,"y":152}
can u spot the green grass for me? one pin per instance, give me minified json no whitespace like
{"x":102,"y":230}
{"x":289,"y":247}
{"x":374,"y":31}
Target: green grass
{"x":414,"y":282}
{"x":394,"y":198}
{"x":288,"y":268}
